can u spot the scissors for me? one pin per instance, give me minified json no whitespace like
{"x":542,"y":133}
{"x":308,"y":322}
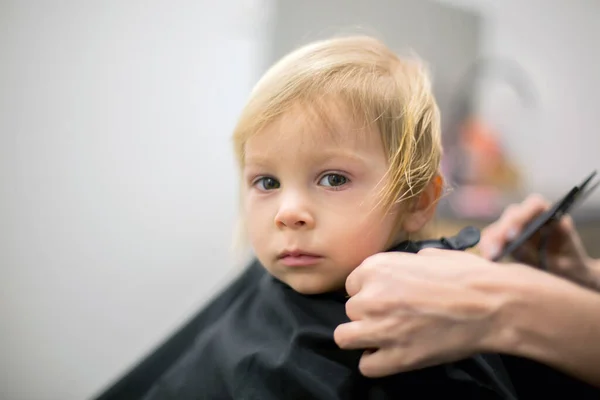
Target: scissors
{"x":556,"y":212}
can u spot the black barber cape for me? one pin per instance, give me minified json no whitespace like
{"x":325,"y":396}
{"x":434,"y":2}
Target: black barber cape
{"x":261,"y":340}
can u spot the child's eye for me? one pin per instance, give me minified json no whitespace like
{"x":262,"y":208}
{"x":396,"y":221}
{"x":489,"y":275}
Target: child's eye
{"x":333,"y":180}
{"x":267,"y":183}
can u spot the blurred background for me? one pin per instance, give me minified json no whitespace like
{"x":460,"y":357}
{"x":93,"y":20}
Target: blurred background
{"x":117,"y":180}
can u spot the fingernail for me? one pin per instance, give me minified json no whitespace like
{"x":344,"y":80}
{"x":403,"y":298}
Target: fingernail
{"x":490,"y":252}
{"x":512,"y":234}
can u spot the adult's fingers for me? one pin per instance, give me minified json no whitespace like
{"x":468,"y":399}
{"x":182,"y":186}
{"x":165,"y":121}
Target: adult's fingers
{"x":566,"y":225}
{"x":368,"y":269}
{"x":361,"y":335}
{"x":381,"y":362}
{"x":354,"y":282}
{"x":387,"y":361}
{"x":356,"y":278}
{"x":508,"y":226}
{"x":353,"y":335}
{"x":526,"y":254}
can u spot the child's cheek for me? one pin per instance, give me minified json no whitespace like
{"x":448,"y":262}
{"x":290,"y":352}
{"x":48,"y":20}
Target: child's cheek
{"x":362,"y":243}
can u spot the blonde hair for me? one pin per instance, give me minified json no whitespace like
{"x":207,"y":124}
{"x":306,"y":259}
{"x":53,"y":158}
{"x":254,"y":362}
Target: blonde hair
{"x":373,"y":85}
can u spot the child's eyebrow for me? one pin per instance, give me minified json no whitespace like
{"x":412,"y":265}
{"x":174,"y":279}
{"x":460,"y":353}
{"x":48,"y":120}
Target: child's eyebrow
{"x":328,"y":154}
{"x":319,"y":156}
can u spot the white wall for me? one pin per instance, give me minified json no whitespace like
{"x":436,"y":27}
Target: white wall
{"x":117,"y":184}
{"x":555,"y":41}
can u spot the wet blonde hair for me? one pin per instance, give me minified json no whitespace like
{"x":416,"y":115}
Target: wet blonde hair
{"x":373,"y":85}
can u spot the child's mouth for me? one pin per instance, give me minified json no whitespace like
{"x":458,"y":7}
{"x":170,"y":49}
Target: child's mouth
{"x":298,"y":258}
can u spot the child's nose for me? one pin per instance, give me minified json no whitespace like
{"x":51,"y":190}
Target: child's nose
{"x":294,"y":215}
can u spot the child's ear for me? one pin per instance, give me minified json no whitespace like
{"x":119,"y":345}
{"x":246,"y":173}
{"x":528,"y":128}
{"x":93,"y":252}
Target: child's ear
{"x":423,"y":208}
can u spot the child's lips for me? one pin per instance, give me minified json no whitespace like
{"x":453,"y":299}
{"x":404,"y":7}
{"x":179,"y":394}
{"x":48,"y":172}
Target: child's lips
{"x":298,"y":258}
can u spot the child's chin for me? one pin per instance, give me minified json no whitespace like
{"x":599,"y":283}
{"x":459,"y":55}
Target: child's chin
{"x":312,"y":286}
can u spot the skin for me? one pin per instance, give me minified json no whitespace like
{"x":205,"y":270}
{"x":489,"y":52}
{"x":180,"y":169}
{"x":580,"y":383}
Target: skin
{"x":439,"y":306}
{"x":310,"y":190}
{"x":565,"y":252}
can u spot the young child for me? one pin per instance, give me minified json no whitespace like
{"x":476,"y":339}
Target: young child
{"x":339,"y":153}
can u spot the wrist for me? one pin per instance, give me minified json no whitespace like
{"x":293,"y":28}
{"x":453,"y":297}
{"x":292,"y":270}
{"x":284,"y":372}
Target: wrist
{"x":521,"y":325}
{"x":508,"y":292}
{"x":534,"y":314}
{"x":545,"y":318}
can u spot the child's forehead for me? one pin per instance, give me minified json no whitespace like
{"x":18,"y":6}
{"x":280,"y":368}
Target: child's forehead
{"x":318,"y":126}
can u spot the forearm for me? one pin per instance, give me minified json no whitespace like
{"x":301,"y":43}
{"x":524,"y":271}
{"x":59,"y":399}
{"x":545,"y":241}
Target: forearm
{"x":552,"y":321}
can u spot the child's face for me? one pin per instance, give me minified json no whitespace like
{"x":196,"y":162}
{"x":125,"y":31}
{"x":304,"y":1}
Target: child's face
{"x":310,"y":199}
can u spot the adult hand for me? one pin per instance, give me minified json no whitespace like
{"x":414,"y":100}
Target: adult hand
{"x":566,"y":255}
{"x":418,"y":310}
